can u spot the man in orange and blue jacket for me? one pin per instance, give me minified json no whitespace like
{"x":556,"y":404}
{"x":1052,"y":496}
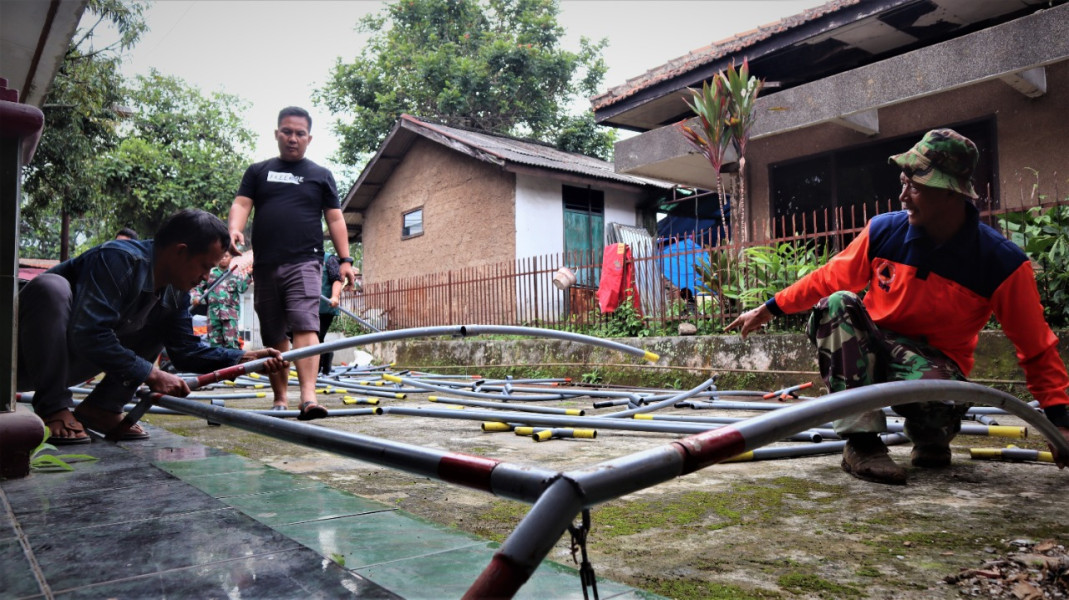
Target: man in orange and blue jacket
{"x":935,"y":274}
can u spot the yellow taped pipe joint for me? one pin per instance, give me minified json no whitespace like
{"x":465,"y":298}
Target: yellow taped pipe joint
{"x":493,"y":426}
{"x":651,"y":356}
{"x":1007,"y":431}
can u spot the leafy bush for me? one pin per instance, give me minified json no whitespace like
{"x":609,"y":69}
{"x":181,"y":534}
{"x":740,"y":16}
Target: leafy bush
{"x":769,"y":269}
{"x":1044,"y":237}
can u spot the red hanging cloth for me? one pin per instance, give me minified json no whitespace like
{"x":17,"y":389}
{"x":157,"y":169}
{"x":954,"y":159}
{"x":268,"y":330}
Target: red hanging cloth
{"x":617,"y":283}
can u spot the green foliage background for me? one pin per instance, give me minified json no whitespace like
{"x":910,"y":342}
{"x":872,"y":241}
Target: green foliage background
{"x":180,"y":149}
{"x":494,"y":66}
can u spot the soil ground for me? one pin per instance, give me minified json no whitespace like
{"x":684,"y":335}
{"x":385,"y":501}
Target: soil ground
{"x":791,"y":528}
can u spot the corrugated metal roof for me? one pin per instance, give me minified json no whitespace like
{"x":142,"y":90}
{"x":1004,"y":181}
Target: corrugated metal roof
{"x":532,"y":153}
{"x":37,"y":263}
{"x":717,"y":50}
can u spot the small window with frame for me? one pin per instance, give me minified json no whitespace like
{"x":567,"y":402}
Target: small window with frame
{"x":412,"y":223}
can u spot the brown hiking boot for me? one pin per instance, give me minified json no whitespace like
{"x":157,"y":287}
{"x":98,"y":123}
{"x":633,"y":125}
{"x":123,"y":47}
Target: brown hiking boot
{"x":865,"y":457}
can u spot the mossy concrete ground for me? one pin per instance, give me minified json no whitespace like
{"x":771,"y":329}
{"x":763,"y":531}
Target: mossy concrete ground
{"x":797,"y":528}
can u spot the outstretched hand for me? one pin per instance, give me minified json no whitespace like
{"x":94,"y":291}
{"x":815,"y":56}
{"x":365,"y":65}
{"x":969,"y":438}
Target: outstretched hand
{"x":751,"y":321}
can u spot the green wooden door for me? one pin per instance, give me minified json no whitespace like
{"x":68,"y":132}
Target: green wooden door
{"x":584,"y":235}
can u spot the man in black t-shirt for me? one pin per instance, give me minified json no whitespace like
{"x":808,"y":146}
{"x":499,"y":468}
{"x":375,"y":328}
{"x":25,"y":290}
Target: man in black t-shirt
{"x":290,"y":195}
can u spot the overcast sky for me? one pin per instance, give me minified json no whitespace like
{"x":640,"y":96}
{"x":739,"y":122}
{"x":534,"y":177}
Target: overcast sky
{"x":274,"y":53}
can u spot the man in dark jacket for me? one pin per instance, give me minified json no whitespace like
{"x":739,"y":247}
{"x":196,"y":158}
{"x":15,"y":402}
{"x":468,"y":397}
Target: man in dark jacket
{"x":112,"y":309}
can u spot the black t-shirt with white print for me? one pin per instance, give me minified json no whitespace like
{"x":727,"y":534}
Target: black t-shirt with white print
{"x":289,"y":199}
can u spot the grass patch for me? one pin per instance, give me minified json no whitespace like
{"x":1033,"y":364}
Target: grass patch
{"x":681,"y":589}
{"x":805,"y":583}
{"x":868,"y":571}
{"x":499,"y":520}
{"x":741,"y":505}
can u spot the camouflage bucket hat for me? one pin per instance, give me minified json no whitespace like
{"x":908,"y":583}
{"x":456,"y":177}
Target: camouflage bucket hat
{"x":942,"y":159}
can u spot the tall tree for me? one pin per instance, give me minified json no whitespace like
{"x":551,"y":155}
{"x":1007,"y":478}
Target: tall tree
{"x":178,"y":149}
{"x":495,"y":66}
{"x":82,"y":110}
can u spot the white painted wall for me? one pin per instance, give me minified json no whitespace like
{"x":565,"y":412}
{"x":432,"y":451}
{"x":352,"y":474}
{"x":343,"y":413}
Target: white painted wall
{"x":620,"y":208}
{"x":540,"y":231}
{"x":539,"y":216}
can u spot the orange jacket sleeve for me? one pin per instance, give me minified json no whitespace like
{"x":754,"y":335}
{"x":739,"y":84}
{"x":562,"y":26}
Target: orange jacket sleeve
{"x":1017,"y":307}
{"x":849,"y":270}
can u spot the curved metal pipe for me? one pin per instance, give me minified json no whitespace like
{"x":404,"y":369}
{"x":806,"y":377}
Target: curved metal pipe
{"x":486,"y":474}
{"x":521,"y":554}
{"x":661,"y":404}
{"x":387,"y":336}
{"x":546,"y":410}
{"x":362,"y":322}
{"x":431,"y":387}
{"x":771,"y":453}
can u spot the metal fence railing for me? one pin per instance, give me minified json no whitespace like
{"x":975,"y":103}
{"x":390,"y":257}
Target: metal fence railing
{"x":688,"y":277}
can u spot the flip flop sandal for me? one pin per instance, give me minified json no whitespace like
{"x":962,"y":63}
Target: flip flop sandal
{"x":311,"y":410}
{"x":79,"y":437}
{"x":133,"y":434}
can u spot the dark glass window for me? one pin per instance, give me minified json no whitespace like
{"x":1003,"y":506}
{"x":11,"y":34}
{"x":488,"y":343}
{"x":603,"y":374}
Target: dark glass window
{"x":814,"y":193}
{"x":412,"y":223}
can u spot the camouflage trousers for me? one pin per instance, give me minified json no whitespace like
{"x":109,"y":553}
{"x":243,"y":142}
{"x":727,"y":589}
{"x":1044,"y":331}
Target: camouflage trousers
{"x":853,"y":352}
{"x":223,"y":333}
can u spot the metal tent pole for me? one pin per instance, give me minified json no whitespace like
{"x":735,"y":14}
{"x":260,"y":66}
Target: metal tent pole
{"x":530,"y":542}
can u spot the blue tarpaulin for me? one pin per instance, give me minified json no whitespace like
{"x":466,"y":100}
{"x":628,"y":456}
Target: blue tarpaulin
{"x":677,"y":263}
{"x":687,"y":220}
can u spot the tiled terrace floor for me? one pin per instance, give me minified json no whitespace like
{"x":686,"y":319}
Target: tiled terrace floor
{"x":169,"y":518}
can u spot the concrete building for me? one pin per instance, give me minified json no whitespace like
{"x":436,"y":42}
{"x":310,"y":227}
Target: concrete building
{"x":853,"y":81}
{"x":437,"y":198}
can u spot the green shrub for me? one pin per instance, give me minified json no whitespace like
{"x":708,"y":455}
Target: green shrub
{"x":1044,"y":237}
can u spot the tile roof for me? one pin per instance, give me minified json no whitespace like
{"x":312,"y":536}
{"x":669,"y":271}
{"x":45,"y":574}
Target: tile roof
{"x":533,"y":153}
{"x":713,"y":52}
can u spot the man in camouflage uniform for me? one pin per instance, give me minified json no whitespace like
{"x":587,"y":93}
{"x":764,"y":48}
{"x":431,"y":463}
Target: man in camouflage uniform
{"x":934,"y":275}
{"x":223,"y":302}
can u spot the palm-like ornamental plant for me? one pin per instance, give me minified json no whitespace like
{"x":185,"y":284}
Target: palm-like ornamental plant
{"x":742,"y":90}
{"x":712,"y":105}
{"x":726,"y":110}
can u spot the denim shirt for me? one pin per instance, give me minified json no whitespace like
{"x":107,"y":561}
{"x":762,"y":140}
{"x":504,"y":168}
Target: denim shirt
{"x":114,"y":294}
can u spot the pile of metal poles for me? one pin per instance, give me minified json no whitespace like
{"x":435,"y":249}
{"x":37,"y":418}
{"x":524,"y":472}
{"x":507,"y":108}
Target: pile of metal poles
{"x":559,"y":497}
